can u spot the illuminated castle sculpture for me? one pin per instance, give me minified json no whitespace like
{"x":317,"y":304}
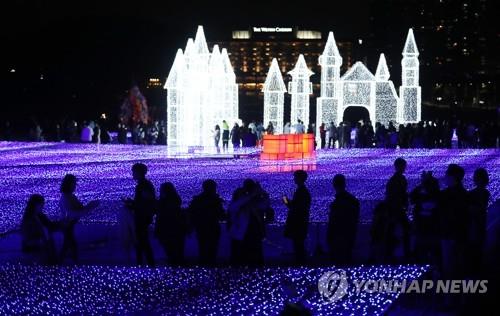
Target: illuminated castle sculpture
{"x":274,"y":98}
{"x":202,"y":92}
{"x":359,"y":87}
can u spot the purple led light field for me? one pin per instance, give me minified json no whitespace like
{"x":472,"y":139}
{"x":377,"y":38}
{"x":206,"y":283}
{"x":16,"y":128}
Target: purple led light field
{"x":100,"y":290}
{"x":104,"y":174}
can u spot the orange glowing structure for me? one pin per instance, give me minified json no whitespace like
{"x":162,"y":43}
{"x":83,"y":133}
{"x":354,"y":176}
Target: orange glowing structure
{"x":287,"y":146}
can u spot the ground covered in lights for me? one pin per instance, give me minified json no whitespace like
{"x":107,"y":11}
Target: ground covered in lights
{"x":104,"y":174}
{"x":100,"y":290}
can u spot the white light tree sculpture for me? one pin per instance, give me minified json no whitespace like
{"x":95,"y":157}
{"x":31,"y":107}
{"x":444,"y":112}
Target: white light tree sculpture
{"x":410,"y":93}
{"x":202,"y":91}
{"x":300,"y":88}
{"x":274,"y":98}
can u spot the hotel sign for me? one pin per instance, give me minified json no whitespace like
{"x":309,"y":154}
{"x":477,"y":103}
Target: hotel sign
{"x":272,"y":29}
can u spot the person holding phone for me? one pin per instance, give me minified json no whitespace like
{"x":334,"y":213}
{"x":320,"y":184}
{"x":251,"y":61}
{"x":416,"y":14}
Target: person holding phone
{"x":297,"y":221}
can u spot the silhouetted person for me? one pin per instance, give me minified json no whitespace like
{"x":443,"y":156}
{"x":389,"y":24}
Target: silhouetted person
{"x":217,"y":137}
{"x":478,"y":199}
{"x":383,"y":240}
{"x":452,"y":210}
{"x":143,"y":206}
{"x":270,"y":129}
{"x":235,"y":136}
{"x":71,"y":210}
{"x":36,"y":230}
{"x":206,"y":212}
{"x":342,"y":223}
{"x":248,"y":213}
{"x":425,"y":198}
{"x":249,"y":139}
{"x":332,"y":135}
{"x":170,"y":226}
{"x":396,"y":196}
{"x":225,"y":135}
{"x":322,"y":135}
{"x":297,"y":221}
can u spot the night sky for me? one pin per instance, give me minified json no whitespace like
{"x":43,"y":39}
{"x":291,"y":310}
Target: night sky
{"x":90,"y":52}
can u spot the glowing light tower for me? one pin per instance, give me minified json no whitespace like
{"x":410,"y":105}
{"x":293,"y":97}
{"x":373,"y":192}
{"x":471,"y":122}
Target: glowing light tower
{"x":300,"y":88}
{"x":214,"y":111}
{"x":386,"y":102}
{"x":410,"y":92}
{"x":199,"y":83}
{"x":231,"y":112}
{"x":327,"y":105}
{"x":274,"y":97}
{"x":175,"y":84}
{"x":202,"y":91}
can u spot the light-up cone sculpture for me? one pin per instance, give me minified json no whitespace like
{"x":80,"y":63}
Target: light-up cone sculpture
{"x":274,"y":98}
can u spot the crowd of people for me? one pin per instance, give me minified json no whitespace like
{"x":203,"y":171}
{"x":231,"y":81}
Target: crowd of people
{"x":448,"y":225}
{"x":426,"y":134}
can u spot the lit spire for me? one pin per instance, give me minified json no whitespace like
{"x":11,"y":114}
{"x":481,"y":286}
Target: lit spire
{"x":410,"y":49}
{"x":274,"y":80}
{"x":215,"y":62}
{"x":331,"y":47}
{"x":226,"y":62}
{"x":301,"y":68}
{"x":176,"y":72}
{"x":189,"y":46}
{"x":200,"y":42}
{"x":382,"y":73}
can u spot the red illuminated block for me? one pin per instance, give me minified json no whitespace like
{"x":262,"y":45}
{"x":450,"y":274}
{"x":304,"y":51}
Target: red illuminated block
{"x":288,"y":146}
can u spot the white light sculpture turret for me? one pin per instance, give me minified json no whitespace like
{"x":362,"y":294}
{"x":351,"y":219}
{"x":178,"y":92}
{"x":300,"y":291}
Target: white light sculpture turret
{"x":216,"y":93}
{"x":175,"y":84}
{"x":386,"y":101}
{"x":300,"y":88}
{"x":327,"y":105}
{"x":274,"y":98}
{"x":202,"y":92}
{"x":230,"y":90}
{"x":410,"y":93}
